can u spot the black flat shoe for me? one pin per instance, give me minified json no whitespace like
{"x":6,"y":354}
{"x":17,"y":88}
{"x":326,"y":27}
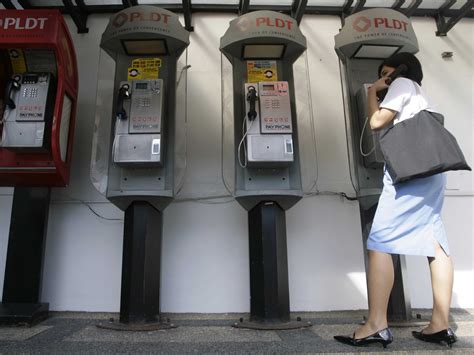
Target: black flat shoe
{"x":383,"y":337}
{"x":445,"y":336}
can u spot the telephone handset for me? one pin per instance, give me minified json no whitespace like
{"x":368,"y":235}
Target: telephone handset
{"x":124,"y":93}
{"x":398,"y":72}
{"x":252,"y":98}
{"x":13,"y":85}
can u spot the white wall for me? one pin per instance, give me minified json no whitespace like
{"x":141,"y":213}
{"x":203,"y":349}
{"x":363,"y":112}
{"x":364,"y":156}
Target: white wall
{"x":205,"y":245}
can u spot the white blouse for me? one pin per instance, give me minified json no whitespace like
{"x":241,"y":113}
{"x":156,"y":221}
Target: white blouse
{"x":407,"y":98}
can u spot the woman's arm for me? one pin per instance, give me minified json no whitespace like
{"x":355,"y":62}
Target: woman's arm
{"x":379,"y":117}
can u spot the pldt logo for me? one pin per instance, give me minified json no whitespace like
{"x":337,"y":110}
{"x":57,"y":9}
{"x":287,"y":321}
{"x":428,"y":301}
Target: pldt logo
{"x":22,"y":23}
{"x":361,"y":24}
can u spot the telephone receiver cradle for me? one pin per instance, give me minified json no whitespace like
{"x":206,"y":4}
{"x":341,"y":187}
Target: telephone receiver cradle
{"x":398,"y":72}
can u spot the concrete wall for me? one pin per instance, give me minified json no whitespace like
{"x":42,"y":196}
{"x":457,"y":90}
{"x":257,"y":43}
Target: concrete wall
{"x":205,"y":243}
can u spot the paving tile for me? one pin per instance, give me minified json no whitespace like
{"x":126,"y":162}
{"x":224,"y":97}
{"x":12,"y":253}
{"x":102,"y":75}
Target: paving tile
{"x":177,"y":335}
{"x":21,"y":333}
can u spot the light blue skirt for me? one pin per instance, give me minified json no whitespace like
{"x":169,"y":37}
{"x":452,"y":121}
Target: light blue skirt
{"x":408,"y":217}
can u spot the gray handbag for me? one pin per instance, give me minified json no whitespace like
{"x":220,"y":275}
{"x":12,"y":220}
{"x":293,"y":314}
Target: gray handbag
{"x":419,"y":147}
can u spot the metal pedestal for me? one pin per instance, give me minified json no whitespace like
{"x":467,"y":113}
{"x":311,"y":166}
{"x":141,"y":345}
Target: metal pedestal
{"x":269,"y":294}
{"x":24,"y":264}
{"x":140,"y":294}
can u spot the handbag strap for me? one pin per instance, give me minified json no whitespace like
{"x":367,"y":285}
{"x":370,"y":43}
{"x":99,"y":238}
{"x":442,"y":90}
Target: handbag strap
{"x":435,"y":115}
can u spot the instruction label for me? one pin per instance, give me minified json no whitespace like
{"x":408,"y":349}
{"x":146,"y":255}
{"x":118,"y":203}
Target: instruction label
{"x":17,"y":58}
{"x":40,"y":60}
{"x":261,"y":70}
{"x":144,"y":68}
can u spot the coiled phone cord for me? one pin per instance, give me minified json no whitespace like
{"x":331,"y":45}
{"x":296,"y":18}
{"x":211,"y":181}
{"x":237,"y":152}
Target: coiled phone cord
{"x":361,"y":139}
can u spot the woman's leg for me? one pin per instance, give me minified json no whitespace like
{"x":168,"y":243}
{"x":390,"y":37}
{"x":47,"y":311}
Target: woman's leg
{"x":380,"y":284}
{"x":441,"y":268}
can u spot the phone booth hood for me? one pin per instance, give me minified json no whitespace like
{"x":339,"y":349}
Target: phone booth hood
{"x":43,"y":29}
{"x":375,"y":34}
{"x":142,"y":23}
{"x":263,"y":27}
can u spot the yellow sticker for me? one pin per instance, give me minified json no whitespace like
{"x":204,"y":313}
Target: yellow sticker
{"x":144,"y":68}
{"x":17,"y":59}
{"x":261,"y":70}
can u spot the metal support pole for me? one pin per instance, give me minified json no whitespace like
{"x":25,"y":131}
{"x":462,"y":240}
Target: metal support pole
{"x":24,"y":265}
{"x":140,"y":292}
{"x":269,"y":293}
{"x":399,"y":305}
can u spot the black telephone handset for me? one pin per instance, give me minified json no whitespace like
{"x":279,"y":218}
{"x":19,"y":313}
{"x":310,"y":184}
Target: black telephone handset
{"x":13,"y":84}
{"x":124,"y":93}
{"x":252,"y":97}
{"x":401,"y":69}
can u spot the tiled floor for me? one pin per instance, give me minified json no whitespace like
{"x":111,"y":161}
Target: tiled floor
{"x":213,"y":333}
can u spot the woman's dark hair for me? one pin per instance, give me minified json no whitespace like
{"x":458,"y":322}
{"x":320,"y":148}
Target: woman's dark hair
{"x":414,"y":71}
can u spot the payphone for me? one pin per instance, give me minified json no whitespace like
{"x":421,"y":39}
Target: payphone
{"x":268,"y":124}
{"x":262,"y":47}
{"x":137,"y":140}
{"x":135,"y":135}
{"x":27,"y":117}
{"x":369,"y":147}
{"x":367,"y":38}
{"x":38,"y":99}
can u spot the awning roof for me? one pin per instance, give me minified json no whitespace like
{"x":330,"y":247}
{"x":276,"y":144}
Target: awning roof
{"x":446,"y":12}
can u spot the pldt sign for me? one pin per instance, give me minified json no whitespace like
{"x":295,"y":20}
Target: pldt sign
{"x":18,"y":23}
{"x":362,"y":24}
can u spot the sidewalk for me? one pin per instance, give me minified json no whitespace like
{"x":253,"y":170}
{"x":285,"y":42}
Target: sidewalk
{"x":69,"y":332}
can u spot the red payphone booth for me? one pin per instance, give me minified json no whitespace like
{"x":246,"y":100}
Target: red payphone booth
{"x":38,"y":87}
{"x":38,"y":99}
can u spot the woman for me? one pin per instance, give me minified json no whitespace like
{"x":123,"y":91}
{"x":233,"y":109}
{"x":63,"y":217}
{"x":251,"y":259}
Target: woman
{"x":407,"y":220}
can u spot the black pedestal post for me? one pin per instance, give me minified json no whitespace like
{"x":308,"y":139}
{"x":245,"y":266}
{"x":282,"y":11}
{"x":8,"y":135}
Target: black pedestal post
{"x":24,"y":264}
{"x":399,"y":307}
{"x":140,"y":294}
{"x":269,"y":293}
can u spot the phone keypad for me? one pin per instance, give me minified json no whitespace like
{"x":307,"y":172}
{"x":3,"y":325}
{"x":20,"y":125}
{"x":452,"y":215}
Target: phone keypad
{"x":31,"y":92}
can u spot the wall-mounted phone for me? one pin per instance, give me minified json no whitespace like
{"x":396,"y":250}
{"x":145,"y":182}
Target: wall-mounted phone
{"x":28,"y":113}
{"x":267,"y":125}
{"x":139,"y":109}
{"x":369,"y":146}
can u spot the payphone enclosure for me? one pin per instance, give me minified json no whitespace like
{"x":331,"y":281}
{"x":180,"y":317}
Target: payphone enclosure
{"x":38,"y":98}
{"x":271,"y":156}
{"x":139,"y":141}
{"x":366,"y":39}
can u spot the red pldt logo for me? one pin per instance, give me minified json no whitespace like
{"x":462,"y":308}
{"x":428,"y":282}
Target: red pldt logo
{"x":276,"y":22}
{"x":361,"y":24}
{"x":122,"y":18}
{"x":243,"y":24}
{"x":17,"y":23}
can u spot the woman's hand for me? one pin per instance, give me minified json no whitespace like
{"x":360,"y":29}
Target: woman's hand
{"x":379,"y":84}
